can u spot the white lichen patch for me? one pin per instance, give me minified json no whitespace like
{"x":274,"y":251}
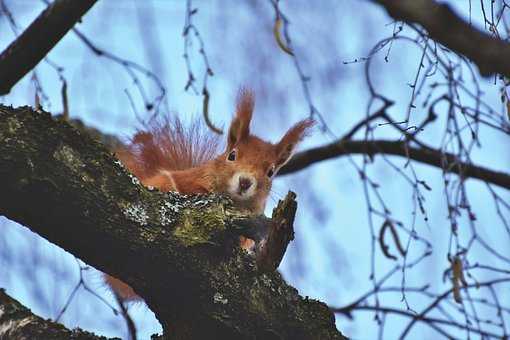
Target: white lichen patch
{"x":201,"y":203}
{"x":177,"y":202}
{"x":30,"y":164}
{"x":71,"y":160}
{"x":136,"y":213}
{"x":119,"y":164}
{"x":7,"y":327}
{"x":13,"y":125}
{"x":168,"y":211}
{"x":68,"y":156}
{"x":265,"y":280}
{"x":135,"y":180}
{"x":218,"y":298}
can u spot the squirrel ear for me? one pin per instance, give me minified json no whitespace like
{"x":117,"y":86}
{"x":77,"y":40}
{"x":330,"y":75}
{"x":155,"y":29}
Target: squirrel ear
{"x":240,"y":126}
{"x":288,"y":143}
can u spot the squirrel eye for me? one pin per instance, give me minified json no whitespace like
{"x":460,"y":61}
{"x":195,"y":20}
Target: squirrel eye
{"x":232,"y":155}
{"x":270,"y":172}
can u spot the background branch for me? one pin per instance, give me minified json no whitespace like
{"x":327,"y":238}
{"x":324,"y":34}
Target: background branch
{"x":24,"y":53}
{"x":490,"y":54}
{"x":301,"y":160}
{"x":446,"y":161}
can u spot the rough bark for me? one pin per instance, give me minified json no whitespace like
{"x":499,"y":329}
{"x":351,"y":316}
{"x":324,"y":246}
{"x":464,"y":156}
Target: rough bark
{"x":18,"y":323}
{"x":24,"y":53}
{"x":490,"y":54}
{"x":178,"y":252}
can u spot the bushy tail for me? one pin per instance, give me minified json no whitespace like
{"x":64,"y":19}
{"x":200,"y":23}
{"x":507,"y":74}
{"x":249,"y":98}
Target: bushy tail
{"x":166,"y":144}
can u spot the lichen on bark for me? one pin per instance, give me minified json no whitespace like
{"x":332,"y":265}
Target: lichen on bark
{"x":18,"y":322}
{"x":178,"y":252}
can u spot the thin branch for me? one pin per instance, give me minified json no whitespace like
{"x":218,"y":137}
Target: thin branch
{"x":129,"y":321}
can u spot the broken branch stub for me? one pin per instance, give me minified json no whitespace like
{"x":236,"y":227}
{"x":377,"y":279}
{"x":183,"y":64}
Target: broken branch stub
{"x":270,"y":252}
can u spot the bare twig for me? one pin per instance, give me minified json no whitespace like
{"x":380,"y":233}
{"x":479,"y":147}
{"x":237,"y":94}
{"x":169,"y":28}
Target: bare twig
{"x":491,"y":54}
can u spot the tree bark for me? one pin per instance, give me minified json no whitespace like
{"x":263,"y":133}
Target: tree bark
{"x":178,"y":252}
{"x":18,"y":322}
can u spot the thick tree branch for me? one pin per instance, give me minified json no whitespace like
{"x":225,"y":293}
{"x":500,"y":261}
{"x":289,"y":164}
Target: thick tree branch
{"x":180,"y":253}
{"x":18,"y":322}
{"x":446,"y":161}
{"x":24,"y":53}
{"x":490,"y":54}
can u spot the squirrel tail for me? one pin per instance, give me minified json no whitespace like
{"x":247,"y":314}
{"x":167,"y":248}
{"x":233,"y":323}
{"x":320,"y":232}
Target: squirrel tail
{"x":165,"y":143}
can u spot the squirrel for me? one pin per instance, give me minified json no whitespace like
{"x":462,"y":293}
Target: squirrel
{"x":168,"y":157}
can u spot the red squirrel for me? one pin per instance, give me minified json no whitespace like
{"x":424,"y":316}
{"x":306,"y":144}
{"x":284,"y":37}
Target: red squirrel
{"x":169,"y":158}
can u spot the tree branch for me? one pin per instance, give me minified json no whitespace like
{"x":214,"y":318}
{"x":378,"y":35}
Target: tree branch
{"x":446,"y":161}
{"x":345,"y":146}
{"x":24,"y":53}
{"x":490,"y":54}
{"x":178,"y":252}
{"x":18,"y":322}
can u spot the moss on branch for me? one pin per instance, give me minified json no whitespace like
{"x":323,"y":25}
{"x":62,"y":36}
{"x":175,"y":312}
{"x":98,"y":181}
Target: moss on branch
{"x":178,"y":252}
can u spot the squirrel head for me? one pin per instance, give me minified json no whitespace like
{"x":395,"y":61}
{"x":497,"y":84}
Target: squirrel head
{"x":169,"y":156}
{"x":249,"y":164}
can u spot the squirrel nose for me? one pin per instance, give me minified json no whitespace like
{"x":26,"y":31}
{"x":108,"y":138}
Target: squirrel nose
{"x":244,"y":184}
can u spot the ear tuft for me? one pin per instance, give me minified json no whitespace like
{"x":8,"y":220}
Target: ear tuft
{"x":245,"y":104}
{"x":294,"y":135}
{"x":240,"y":126}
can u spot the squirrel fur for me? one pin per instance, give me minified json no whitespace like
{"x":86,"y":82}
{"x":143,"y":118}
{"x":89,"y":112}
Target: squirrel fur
{"x":169,"y":157}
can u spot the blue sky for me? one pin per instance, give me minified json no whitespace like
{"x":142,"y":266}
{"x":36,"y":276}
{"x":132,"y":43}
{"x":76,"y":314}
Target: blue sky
{"x":330,"y":258}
